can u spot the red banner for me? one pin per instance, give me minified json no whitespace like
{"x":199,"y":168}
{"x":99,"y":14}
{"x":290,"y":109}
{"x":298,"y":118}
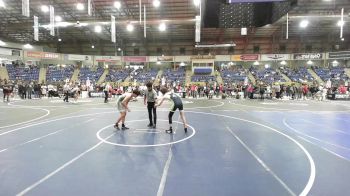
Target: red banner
{"x":43,"y":55}
{"x":136,"y":59}
{"x":245,"y":57}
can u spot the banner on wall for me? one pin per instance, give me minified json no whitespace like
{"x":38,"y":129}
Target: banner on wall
{"x":112,"y":59}
{"x":339,"y":55}
{"x":199,"y":57}
{"x":76,"y":57}
{"x":245,"y":57}
{"x":308,"y":56}
{"x":136,"y":59}
{"x":275,"y":57}
{"x":165,"y":58}
{"x":5,"y":51}
{"x":43,"y":55}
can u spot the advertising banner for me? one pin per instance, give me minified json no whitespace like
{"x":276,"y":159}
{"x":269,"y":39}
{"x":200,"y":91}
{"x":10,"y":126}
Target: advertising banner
{"x":245,"y":57}
{"x":43,"y":55}
{"x":165,"y":58}
{"x":199,"y":57}
{"x":107,"y":58}
{"x":339,"y":55}
{"x":136,"y":59}
{"x":308,"y":56}
{"x":275,"y":57}
{"x":75,"y":57}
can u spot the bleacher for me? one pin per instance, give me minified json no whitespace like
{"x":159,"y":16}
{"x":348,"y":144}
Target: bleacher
{"x":267,"y":76}
{"x":23,"y":73}
{"x":298,"y":75}
{"x":54,"y":73}
{"x":178,"y":75}
{"x":230,"y":76}
{"x":117,"y":75}
{"x":333,"y":74}
{"x":86,"y":73}
{"x":203,"y":78}
{"x":143,"y":76}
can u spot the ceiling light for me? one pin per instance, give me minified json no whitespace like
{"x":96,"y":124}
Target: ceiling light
{"x":80,"y":6}
{"x":2,"y":43}
{"x":158,"y":62}
{"x":283,"y":63}
{"x":182,"y":64}
{"x":27,"y":46}
{"x":2,"y":4}
{"x":197,"y":2}
{"x":162,"y":26}
{"x":335,"y":62}
{"x":119,"y":49}
{"x":130,"y":27}
{"x":304,"y":23}
{"x":244,"y":31}
{"x":256,"y":63}
{"x":267,"y":66}
{"x":92,"y":46}
{"x":342,"y":39}
{"x":156,"y":3}
{"x":309,"y":62}
{"x":44,"y":8}
{"x":117,"y":5}
{"x":59,"y":39}
{"x":98,"y":29}
{"x":341,"y":23}
{"x":58,"y":18}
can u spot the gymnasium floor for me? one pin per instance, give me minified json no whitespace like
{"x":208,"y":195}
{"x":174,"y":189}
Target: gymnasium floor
{"x":234,"y":147}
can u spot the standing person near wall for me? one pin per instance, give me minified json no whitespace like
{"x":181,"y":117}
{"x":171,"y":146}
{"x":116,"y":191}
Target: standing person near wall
{"x":66,"y":89}
{"x":150,"y":97}
{"x":106,"y":89}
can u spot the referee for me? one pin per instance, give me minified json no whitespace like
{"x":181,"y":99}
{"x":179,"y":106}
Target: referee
{"x":150,"y":97}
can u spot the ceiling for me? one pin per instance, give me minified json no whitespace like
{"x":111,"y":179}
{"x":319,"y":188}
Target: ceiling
{"x":178,"y":15}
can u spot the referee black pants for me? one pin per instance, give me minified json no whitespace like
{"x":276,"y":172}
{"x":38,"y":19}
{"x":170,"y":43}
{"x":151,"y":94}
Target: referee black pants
{"x":151,"y":108}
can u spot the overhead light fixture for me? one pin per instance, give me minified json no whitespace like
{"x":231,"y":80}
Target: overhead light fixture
{"x":267,"y":66}
{"x":215,"y":45}
{"x":162,"y":26}
{"x":117,"y":4}
{"x":309,"y":62}
{"x":156,"y":3}
{"x":119,"y":49}
{"x":58,"y":18}
{"x":283,"y":63}
{"x":341,"y":23}
{"x":45,"y":8}
{"x":2,"y":4}
{"x":129,"y":27}
{"x":182,"y":64}
{"x":304,"y":23}
{"x":92,"y":46}
{"x":2,"y":43}
{"x":59,"y":39}
{"x":335,"y":62}
{"x":244,"y":31}
{"x":158,"y":62}
{"x":342,"y":39}
{"x":256,"y":63}
{"x":98,"y":29}
{"x":80,"y":6}
{"x":28,"y":46}
{"x":196,"y":2}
